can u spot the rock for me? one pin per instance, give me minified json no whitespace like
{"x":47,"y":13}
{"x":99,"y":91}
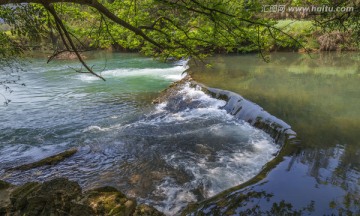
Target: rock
{"x":4,"y":185}
{"x":52,"y":160}
{"x":109,"y":201}
{"x":81,"y":210}
{"x":145,"y":210}
{"x":55,"y":197}
{"x":5,"y":204}
{"x":63,"y":197}
{"x":19,"y":196}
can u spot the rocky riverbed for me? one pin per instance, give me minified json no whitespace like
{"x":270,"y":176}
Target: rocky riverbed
{"x":61,"y":196}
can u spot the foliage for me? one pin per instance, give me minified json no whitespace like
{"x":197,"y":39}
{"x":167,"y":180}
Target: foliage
{"x":166,"y":28}
{"x":335,"y":18}
{"x":180,"y":28}
{"x":302,"y":30}
{"x":9,"y":65}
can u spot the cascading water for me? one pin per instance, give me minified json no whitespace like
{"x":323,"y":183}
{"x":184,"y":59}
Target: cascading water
{"x":184,"y":149}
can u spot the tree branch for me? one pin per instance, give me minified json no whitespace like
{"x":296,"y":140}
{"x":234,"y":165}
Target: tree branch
{"x":62,"y":27}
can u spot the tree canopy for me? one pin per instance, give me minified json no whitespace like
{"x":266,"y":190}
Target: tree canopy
{"x":160,"y":28}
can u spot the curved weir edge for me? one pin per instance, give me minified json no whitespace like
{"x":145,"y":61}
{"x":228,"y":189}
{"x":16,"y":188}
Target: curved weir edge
{"x":245,"y":110}
{"x":241,"y":109}
{"x":252,"y":113}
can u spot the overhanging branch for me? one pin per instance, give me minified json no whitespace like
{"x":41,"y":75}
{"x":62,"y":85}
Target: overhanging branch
{"x":62,"y":28}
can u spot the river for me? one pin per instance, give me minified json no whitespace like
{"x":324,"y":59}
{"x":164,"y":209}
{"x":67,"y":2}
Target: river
{"x":319,"y":96}
{"x":164,"y":155}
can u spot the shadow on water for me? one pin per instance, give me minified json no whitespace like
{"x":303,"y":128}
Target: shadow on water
{"x":320,"y":98}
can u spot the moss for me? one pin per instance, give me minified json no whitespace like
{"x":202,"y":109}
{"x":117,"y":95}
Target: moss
{"x":145,"y":210}
{"x":69,"y":189}
{"x":5,"y":189}
{"x":52,"y":160}
{"x":63,"y":197}
{"x":19,"y":196}
{"x":4,"y":185}
{"x":81,"y":210}
{"x":49,"y":198}
{"x":109,"y":201}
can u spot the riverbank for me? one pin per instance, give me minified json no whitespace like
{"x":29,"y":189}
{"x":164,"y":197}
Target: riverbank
{"x":62,"y":196}
{"x":299,"y":36}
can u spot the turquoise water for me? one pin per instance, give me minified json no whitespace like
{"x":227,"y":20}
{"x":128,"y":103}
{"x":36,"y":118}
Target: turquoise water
{"x":162,"y":156}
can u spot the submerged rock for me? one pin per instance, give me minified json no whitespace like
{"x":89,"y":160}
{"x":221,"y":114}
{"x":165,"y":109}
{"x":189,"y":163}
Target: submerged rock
{"x":64,"y":197}
{"x":52,"y":160}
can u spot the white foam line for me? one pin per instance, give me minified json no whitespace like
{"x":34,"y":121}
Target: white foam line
{"x":173,"y":73}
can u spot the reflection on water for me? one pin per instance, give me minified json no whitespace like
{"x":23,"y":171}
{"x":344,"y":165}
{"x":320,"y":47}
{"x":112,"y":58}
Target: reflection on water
{"x":320,"y":98}
{"x":314,"y":182}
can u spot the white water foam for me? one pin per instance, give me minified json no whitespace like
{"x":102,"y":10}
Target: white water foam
{"x":173,"y":73}
{"x":197,"y":148}
{"x":212,"y":167}
{"x":208,"y":107}
{"x":170,"y":191}
{"x":95,"y":128}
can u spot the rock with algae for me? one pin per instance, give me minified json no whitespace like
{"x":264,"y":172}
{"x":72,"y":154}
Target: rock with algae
{"x":5,"y":190}
{"x":145,"y":210}
{"x":109,"y":201}
{"x":61,"y":196}
{"x":52,"y":160}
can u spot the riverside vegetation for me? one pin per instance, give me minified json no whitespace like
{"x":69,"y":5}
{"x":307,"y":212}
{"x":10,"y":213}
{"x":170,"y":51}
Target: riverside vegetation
{"x":167,"y":29}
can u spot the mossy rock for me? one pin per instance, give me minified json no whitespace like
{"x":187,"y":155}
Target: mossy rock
{"x":52,"y":160}
{"x":55,"y":197}
{"x":109,"y":201}
{"x":81,"y":210}
{"x":5,"y":204}
{"x":63,"y":197}
{"x":69,"y":189}
{"x":145,"y":210}
{"x":19,"y":196}
{"x":4,"y":185}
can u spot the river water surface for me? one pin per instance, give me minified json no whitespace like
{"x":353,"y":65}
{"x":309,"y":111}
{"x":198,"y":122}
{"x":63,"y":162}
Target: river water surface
{"x":319,"y":96}
{"x":162,"y":156}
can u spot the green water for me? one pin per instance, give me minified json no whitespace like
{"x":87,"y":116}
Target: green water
{"x":183,"y":150}
{"x":319,"y":96}
{"x":189,"y":149}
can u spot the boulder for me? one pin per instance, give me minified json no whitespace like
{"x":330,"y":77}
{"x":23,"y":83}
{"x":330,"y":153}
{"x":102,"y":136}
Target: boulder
{"x":61,"y":196}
